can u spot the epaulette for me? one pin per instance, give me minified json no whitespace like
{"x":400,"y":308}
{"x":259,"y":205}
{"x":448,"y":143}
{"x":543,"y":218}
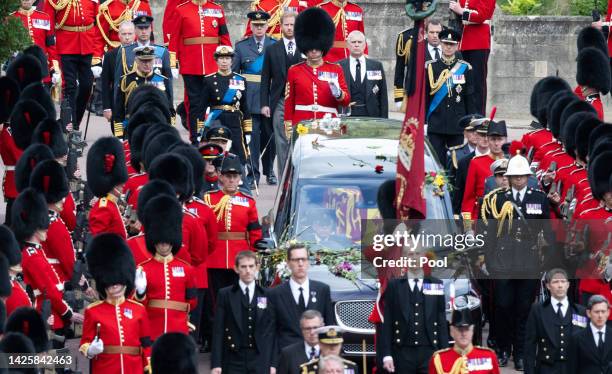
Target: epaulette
{"x":456,"y":147}
{"x":465,"y":62}
{"x":144,"y":262}
{"x":135,"y":302}
{"x":103,"y":202}
{"x":246,"y":195}
{"x":104,"y":5}
{"x":535,"y":190}
{"x":185,"y":211}
{"x":94,"y":304}
{"x":186,"y":2}
{"x":475,"y":157}
{"x":403,"y":31}
{"x":211,"y":74}
{"x":31,"y":251}
{"x":183,"y":261}
{"x":429,"y":62}
{"x":197,"y":200}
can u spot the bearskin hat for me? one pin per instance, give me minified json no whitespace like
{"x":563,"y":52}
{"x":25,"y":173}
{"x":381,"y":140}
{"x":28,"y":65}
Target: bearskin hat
{"x":314,"y":29}
{"x":150,"y":190}
{"x":145,"y":116}
{"x":9,"y":95}
{"x":176,"y":170}
{"x":49,"y":132}
{"x":41,"y":56}
{"x":25,"y":69}
{"x":197,"y":164}
{"x":591,"y":37}
{"x":156,"y":146}
{"x":174,"y":353}
{"x":601,"y":145}
{"x":593,"y":70}
{"x":29,"y":213}
{"x":573,"y":107}
{"x":106,"y":166}
{"x":600,"y":169}
{"x":49,"y":178}
{"x":136,"y":140}
{"x":163,"y":221}
{"x":33,"y":155}
{"x":582,"y":133}
{"x":29,"y":322}
{"x":2,"y":322}
{"x":110,"y":262}
{"x":9,"y":247}
{"x":546,"y":88}
{"x":569,"y":130}
{"x":152,"y":96}
{"x":37,"y":92}
{"x":26,"y":115}
{"x":5,"y":281}
{"x":16,"y":342}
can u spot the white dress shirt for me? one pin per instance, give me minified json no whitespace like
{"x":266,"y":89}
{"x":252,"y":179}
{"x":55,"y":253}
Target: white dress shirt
{"x":478,"y":153}
{"x":432,"y":52}
{"x":564,"y":305}
{"x":353,"y":67}
{"x":250,"y":286}
{"x":521,"y":193}
{"x":308,"y":349}
{"x":596,"y":331}
{"x":286,"y":41}
{"x":295,"y":290}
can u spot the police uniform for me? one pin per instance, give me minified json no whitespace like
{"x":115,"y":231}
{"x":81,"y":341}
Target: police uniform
{"x":330,"y":335}
{"x":347,"y":17}
{"x":450,"y":89}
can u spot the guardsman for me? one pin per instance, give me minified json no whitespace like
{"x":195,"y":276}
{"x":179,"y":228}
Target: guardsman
{"x":9,"y":152}
{"x":225,"y":93}
{"x":30,"y":323}
{"x":475,"y":44}
{"x":550,"y":326}
{"x":314,"y":88}
{"x":116,"y":329}
{"x":330,"y":344}
{"x":9,"y":248}
{"x":111,"y":14}
{"x":248,"y":61}
{"x":347,"y":16}
{"x":210,"y":152}
{"x":30,"y":220}
{"x":593,"y":77}
{"x":165,"y":284}
{"x":106,"y":174}
{"x":76,"y":37}
{"x":174,"y":351}
{"x":275,"y":8}
{"x":199,"y":27}
{"x":463,"y":357}
{"x":244,"y":327}
{"x":237,"y":223}
{"x":450,"y":89}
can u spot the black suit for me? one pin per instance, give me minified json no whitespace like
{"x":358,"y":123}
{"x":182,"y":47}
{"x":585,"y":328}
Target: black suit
{"x":586,"y":358}
{"x":371,"y":94}
{"x":288,"y":316}
{"x":291,"y":358}
{"x":547,"y":338}
{"x":231,"y":346}
{"x":108,"y":78}
{"x":274,"y":73}
{"x":460,"y":178}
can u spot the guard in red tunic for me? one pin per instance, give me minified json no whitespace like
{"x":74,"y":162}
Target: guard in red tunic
{"x":116,"y":330}
{"x":9,"y":153}
{"x":199,"y":27}
{"x":165,"y":284}
{"x":315,"y":87}
{"x":106,"y":174}
{"x":110,"y":15}
{"x":347,"y":16}
{"x":275,"y":8}
{"x":593,"y":77}
{"x":463,"y":357}
{"x":475,"y":44}
{"x":29,"y":322}
{"x":9,"y":249}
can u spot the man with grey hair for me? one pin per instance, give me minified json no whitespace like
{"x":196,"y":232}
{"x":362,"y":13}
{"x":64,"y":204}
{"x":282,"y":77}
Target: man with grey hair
{"x":365,"y":79}
{"x":331,"y":365}
{"x":591,"y":348}
{"x":298,"y":353}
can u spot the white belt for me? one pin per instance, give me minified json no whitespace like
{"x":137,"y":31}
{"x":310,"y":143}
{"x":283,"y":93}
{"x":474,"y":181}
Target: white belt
{"x":316,"y":108}
{"x":53,"y":260}
{"x":487,"y":22}
{"x":59,"y":286}
{"x":9,"y":168}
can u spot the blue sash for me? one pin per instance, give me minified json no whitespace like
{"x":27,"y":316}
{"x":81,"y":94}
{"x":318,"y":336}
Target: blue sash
{"x":256,"y":66}
{"x":227,"y":100}
{"x":442,"y":93}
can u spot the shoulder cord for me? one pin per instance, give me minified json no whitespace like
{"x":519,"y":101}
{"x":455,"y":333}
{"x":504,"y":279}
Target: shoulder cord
{"x":403,"y":49}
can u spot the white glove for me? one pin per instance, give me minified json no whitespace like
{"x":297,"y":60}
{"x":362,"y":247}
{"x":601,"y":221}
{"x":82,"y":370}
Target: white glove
{"x":248,"y":139}
{"x":333,"y":86}
{"x":97,"y":71}
{"x":398,"y":105}
{"x":141,"y":281}
{"x":55,"y":78}
{"x":95,"y":348}
{"x":608,"y":272}
{"x":175,"y":73}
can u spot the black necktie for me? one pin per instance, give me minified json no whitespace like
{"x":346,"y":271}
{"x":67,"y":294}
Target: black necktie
{"x":259,"y":47}
{"x":290,"y":48}
{"x":437,"y":53}
{"x":358,"y":72}
{"x":301,"y":302}
{"x":600,"y":341}
{"x":313,"y":353}
{"x":246,"y":295}
{"x":518,"y":198}
{"x":416,"y":286}
{"x":559,"y":311}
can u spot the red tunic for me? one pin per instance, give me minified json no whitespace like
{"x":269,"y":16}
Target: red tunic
{"x":126,"y":325}
{"x":274,"y":8}
{"x":46,"y":284}
{"x":139,"y":248}
{"x":198,"y":30}
{"x":608,"y":19}
{"x":308,"y":90}
{"x":476,"y":24}
{"x":347,"y":17}
{"x":110,"y":16}
{"x":593,"y":99}
{"x":68,"y":214}
{"x":208,"y":220}
{"x":132,"y":187}
{"x":238,"y":227}
{"x":169,"y":279}
{"x":536,"y":139}
{"x":478,"y":360}
{"x":590,"y":281}
{"x":105,"y":217}
{"x":41,"y":31}
{"x":58,"y":248}
{"x":9,"y":154}
{"x":168,"y":20}
{"x":18,"y":298}
{"x":195,"y":241}
{"x":478,"y":171}
{"x":75,"y":32}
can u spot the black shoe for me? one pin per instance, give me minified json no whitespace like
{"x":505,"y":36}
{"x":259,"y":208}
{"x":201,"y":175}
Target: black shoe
{"x":271,"y":180}
{"x":252,"y":185}
{"x":502,"y":359}
{"x":519,"y":365}
{"x":205,"y":347}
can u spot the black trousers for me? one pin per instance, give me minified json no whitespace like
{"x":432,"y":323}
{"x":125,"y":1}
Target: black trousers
{"x":241,"y":362}
{"x":194,"y":106}
{"x":412,"y":360}
{"x":7,"y":212}
{"x":442,"y":142}
{"x":267,"y":146}
{"x":513,"y":299}
{"x":78,"y":81}
{"x":217,"y":279}
{"x":195,"y":316}
{"x":479,"y":59}
{"x":262,"y":137}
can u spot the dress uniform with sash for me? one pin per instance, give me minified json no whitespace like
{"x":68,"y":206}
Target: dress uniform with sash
{"x":450,"y":89}
{"x":111,"y":14}
{"x":347,"y":17}
{"x":115,"y":330}
{"x":329,"y":335}
{"x":199,"y":27}
{"x":226,"y":96}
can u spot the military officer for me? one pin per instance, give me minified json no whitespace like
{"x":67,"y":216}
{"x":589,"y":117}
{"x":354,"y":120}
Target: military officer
{"x":210,"y":152}
{"x":143,"y":74}
{"x":449,"y":88}
{"x":347,"y":17}
{"x":457,"y":153}
{"x":225,"y":93}
{"x":111,"y":14}
{"x":248,"y":60}
{"x":463,"y":357}
{"x":330,"y":344}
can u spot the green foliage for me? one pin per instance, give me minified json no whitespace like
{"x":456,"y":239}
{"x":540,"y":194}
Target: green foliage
{"x":13,"y":36}
{"x":586,"y":7}
{"x":522,"y":7}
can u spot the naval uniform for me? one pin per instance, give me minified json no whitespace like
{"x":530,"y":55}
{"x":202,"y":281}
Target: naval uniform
{"x":312,"y":367}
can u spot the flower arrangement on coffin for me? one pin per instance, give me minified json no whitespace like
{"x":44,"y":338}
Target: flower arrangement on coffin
{"x":340,"y":263}
{"x":437,"y":181}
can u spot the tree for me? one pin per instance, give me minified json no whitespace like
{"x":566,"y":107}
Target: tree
{"x":13,"y":36}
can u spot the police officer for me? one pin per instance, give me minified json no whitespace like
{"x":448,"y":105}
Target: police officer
{"x":248,"y":60}
{"x":463,"y":357}
{"x":330,"y":344}
{"x":143,"y":74}
{"x":449,"y":88}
